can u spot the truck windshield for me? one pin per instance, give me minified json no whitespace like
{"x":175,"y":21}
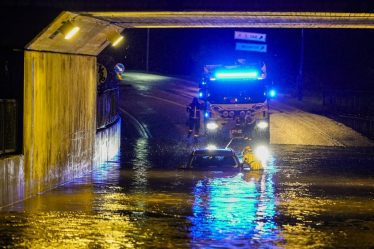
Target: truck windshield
{"x":239,"y":92}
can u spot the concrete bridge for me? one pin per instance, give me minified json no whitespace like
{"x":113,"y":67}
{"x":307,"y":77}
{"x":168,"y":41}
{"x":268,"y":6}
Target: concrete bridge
{"x":56,"y":84}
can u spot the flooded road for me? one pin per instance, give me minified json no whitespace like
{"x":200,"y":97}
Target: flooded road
{"x":306,"y":197}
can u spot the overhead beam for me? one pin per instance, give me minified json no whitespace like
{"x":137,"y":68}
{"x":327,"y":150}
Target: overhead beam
{"x":205,"y":19}
{"x":91,"y":39}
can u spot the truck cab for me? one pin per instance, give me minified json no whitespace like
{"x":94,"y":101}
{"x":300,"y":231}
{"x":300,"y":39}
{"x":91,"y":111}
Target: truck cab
{"x":236,"y":101}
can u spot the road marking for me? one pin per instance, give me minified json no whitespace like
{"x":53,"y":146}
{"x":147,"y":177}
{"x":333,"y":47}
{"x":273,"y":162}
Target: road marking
{"x":295,"y":113}
{"x":165,"y":100}
{"x":144,"y":132}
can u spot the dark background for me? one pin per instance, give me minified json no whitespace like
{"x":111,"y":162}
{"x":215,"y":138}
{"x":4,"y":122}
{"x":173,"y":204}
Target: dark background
{"x":334,"y":58}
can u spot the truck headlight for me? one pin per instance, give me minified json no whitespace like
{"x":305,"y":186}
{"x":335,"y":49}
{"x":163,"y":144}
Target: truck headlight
{"x":262,"y":152}
{"x":212,"y":126}
{"x":263,"y":124}
{"x":211,"y":147}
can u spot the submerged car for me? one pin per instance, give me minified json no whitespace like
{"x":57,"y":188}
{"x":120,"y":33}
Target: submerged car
{"x":214,"y":160}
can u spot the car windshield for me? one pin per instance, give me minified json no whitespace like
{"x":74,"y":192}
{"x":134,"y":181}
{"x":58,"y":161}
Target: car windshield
{"x":213,"y":161}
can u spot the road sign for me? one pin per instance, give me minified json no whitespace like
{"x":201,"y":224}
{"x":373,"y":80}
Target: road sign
{"x":119,"y":68}
{"x":250,"y":36}
{"x":255,"y":47}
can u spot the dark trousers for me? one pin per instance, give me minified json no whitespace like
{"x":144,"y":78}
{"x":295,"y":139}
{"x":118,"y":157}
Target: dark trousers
{"x":193,"y":123}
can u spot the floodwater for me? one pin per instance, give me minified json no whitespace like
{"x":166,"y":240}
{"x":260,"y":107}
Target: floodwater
{"x":307,"y":197}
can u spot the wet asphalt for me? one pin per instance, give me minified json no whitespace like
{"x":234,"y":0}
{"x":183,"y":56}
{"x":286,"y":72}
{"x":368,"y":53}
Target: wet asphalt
{"x":306,"y":197}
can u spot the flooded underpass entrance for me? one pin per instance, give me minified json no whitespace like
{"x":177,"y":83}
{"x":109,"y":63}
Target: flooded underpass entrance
{"x":315,"y":190}
{"x":134,"y":202}
{"x":307,"y":196}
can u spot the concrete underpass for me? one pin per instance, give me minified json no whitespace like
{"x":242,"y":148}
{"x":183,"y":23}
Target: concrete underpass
{"x":66,"y":176}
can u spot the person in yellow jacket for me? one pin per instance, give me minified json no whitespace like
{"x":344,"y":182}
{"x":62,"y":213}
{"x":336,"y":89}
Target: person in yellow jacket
{"x":250,"y":159}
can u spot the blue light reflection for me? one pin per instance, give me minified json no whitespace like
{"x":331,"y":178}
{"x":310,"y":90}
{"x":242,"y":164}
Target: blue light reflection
{"x":272,"y":93}
{"x":235,"y":211}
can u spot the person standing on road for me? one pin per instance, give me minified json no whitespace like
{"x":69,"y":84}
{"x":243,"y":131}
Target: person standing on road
{"x":193,"y":110}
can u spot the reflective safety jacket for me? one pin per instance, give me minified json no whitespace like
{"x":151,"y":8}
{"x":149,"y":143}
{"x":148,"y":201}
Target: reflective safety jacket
{"x":250,"y":159}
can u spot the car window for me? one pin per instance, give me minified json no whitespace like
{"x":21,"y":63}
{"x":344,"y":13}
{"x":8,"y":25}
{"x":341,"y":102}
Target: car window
{"x":213,"y":161}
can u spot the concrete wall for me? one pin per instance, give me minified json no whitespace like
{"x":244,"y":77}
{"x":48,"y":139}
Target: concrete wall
{"x":59,"y":118}
{"x":11,"y":180}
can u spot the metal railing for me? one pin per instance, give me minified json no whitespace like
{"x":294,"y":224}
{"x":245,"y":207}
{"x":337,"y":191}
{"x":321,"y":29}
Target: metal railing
{"x":364,"y":125}
{"x":8,"y":126}
{"x":107,"y":108}
{"x":349,"y":102}
{"x":353,"y":108}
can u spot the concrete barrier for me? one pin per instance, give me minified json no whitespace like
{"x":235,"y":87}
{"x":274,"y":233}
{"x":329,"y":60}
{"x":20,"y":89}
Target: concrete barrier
{"x":59,"y":118}
{"x":11,"y":180}
{"x":107,"y":143}
{"x":8,"y":126}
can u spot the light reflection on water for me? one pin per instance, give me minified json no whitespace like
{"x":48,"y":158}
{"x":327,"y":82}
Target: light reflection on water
{"x":235,"y":211}
{"x":141,"y":165}
{"x":133,"y":201}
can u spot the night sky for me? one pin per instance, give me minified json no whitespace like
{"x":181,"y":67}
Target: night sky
{"x":334,"y":58}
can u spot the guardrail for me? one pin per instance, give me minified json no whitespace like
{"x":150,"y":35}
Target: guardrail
{"x":353,"y":108}
{"x":364,"y":125}
{"x":8,"y":126}
{"x":107,"y":108}
{"x":349,"y":102}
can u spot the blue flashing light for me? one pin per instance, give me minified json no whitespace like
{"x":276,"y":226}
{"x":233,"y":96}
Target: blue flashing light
{"x":236,"y":75}
{"x":200,"y":94}
{"x":272,"y":93}
{"x":206,"y":114}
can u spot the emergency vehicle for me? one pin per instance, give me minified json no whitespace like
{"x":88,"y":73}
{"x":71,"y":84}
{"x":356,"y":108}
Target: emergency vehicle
{"x":236,"y":101}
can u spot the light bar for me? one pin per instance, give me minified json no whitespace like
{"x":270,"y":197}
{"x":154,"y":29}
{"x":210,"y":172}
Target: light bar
{"x":116,"y":41}
{"x":68,"y":30}
{"x":115,"y":38}
{"x":237,"y":75}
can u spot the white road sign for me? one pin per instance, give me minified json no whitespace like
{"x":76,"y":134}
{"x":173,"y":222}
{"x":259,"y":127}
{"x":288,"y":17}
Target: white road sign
{"x":250,"y":36}
{"x":251,"y":47}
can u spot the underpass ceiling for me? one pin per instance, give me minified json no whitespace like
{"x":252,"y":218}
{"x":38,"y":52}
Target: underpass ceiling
{"x":356,"y":6}
{"x":96,"y":27}
{"x":235,"y":19}
{"x":91,"y":39}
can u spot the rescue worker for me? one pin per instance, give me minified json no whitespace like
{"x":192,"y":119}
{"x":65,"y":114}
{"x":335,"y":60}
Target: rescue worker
{"x":193,"y":110}
{"x":250,"y":159}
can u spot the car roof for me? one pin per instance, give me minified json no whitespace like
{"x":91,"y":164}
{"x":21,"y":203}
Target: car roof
{"x":216,"y":152}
